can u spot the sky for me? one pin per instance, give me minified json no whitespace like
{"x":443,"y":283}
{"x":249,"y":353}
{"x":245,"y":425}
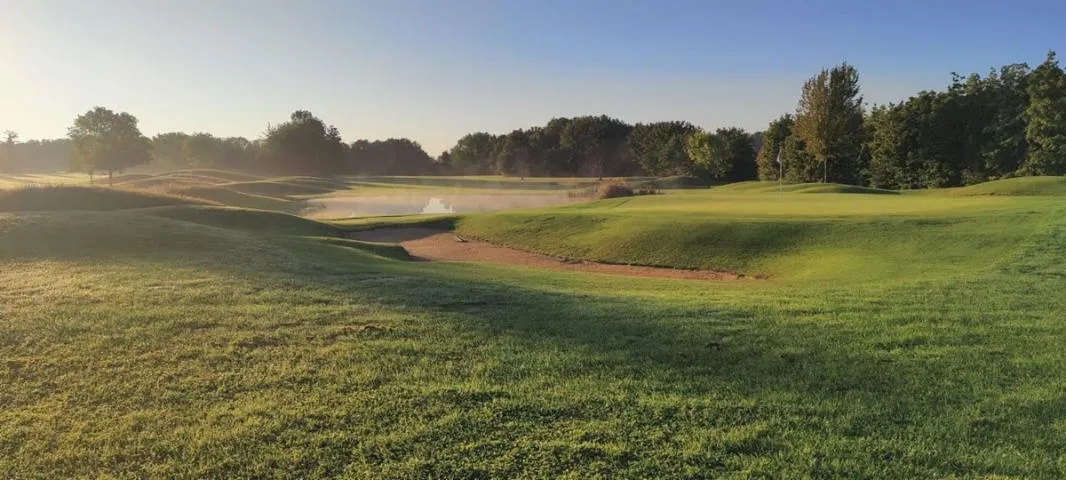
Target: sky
{"x":434,"y":70}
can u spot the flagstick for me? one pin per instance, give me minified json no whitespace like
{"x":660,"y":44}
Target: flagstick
{"x":780,"y":173}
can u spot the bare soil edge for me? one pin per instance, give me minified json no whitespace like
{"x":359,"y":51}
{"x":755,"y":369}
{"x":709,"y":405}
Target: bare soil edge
{"x":443,"y":246}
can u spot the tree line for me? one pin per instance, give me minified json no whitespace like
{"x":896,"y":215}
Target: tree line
{"x":1008,"y":122}
{"x":104,"y":141}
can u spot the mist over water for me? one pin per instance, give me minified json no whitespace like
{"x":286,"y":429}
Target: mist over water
{"x":431,"y":203}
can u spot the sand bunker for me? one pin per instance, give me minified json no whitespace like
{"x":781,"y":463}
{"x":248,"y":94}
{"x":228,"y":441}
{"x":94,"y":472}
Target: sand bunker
{"x":437,"y":245}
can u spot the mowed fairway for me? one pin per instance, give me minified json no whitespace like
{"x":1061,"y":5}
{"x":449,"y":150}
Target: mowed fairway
{"x":873,"y":336}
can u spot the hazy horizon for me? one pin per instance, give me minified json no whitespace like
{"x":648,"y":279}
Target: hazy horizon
{"x":434,"y":71}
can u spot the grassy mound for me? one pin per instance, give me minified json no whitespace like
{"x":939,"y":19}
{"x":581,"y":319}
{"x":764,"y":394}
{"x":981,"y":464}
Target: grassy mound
{"x":82,"y":236}
{"x":826,"y":237}
{"x":772,"y":187}
{"x":222,"y":176}
{"x":384,"y":250}
{"x":226,"y":196}
{"x":672,"y":183}
{"x":323,"y":183}
{"x":1020,"y":186}
{"x":247,"y":220}
{"x":280,"y":188}
{"x":202,"y":176}
{"x":31,"y":199}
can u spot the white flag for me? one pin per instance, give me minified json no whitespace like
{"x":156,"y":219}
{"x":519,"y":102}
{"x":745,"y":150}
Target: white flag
{"x":779,"y":157}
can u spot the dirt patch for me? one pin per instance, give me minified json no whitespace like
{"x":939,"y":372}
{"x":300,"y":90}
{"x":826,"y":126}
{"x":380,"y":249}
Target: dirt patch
{"x":441,"y":246}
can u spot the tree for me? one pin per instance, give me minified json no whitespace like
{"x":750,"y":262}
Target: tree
{"x":918,"y":143}
{"x":38,"y":155}
{"x":203,"y":150}
{"x":655,"y":153}
{"x":474,"y":153}
{"x":726,"y":155}
{"x":1046,"y":132}
{"x":9,"y":157}
{"x":304,"y":145}
{"x":515,"y":156}
{"x":597,"y":145}
{"x":169,"y":149}
{"x":991,"y":121}
{"x":238,"y":152}
{"x":107,"y":141}
{"x":707,"y":154}
{"x":395,"y":156}
{"x":443,"y":164}
{"x":773,"y":140}
{"x":829,"y":121}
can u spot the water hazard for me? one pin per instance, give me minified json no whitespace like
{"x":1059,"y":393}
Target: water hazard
{"x":364,"y":206}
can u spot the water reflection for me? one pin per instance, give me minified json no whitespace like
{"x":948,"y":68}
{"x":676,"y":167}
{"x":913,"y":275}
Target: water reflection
{"x":435,"y":205}
{"x":363,"y":206}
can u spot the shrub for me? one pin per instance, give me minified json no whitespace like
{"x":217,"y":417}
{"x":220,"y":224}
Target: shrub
{"x":613,"y":189}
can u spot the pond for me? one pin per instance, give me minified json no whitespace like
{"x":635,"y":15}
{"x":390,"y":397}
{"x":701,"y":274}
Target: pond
{"x":364,"y":206}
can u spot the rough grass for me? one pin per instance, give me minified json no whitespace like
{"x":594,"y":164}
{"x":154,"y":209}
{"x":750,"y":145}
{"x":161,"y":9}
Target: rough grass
{"x":140,"y":346}
{"x":189,"y":342}
{"x":227,"y":196}
{"x":28,"y":199}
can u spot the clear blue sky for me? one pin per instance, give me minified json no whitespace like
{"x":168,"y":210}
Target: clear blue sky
{"x":433,"y":70}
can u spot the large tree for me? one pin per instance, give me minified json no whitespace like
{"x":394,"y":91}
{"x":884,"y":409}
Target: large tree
{"x":475,"y":153}
{"x":597,"y":145}
{"x":829,"y":120}
{"x":304,"y":145}
{"x":203,"y":150}
{"x":991,"y":121}
{"x":725,"y":155}
{"x":395,"y":156}
{"x":1046,"y":131}
{"x":659,"y":148}
{"x":169,"y":149}
{"x":105,"y":141}
{"x":918,"y":143}
{"x":515,"y":155}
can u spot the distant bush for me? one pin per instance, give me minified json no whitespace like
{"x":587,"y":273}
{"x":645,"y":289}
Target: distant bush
{"x":613,"y":189}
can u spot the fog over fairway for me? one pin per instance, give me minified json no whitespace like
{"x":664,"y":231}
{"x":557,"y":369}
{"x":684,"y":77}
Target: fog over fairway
{"x":432,"y":202}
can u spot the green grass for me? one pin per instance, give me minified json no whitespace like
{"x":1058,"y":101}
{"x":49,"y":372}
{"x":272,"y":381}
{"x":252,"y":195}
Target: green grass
{"x":233,"y":198}
{"x":279,"y":188}
{"x":806,"y":237}
{"x":442,"y":222}
{"x":1026,"y":186}
{"x":196,"y":342}
{"x":775,"y":187}
{"x":248,"y":220}
{"x":9,"y":181}
{"x":26,"y":199}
